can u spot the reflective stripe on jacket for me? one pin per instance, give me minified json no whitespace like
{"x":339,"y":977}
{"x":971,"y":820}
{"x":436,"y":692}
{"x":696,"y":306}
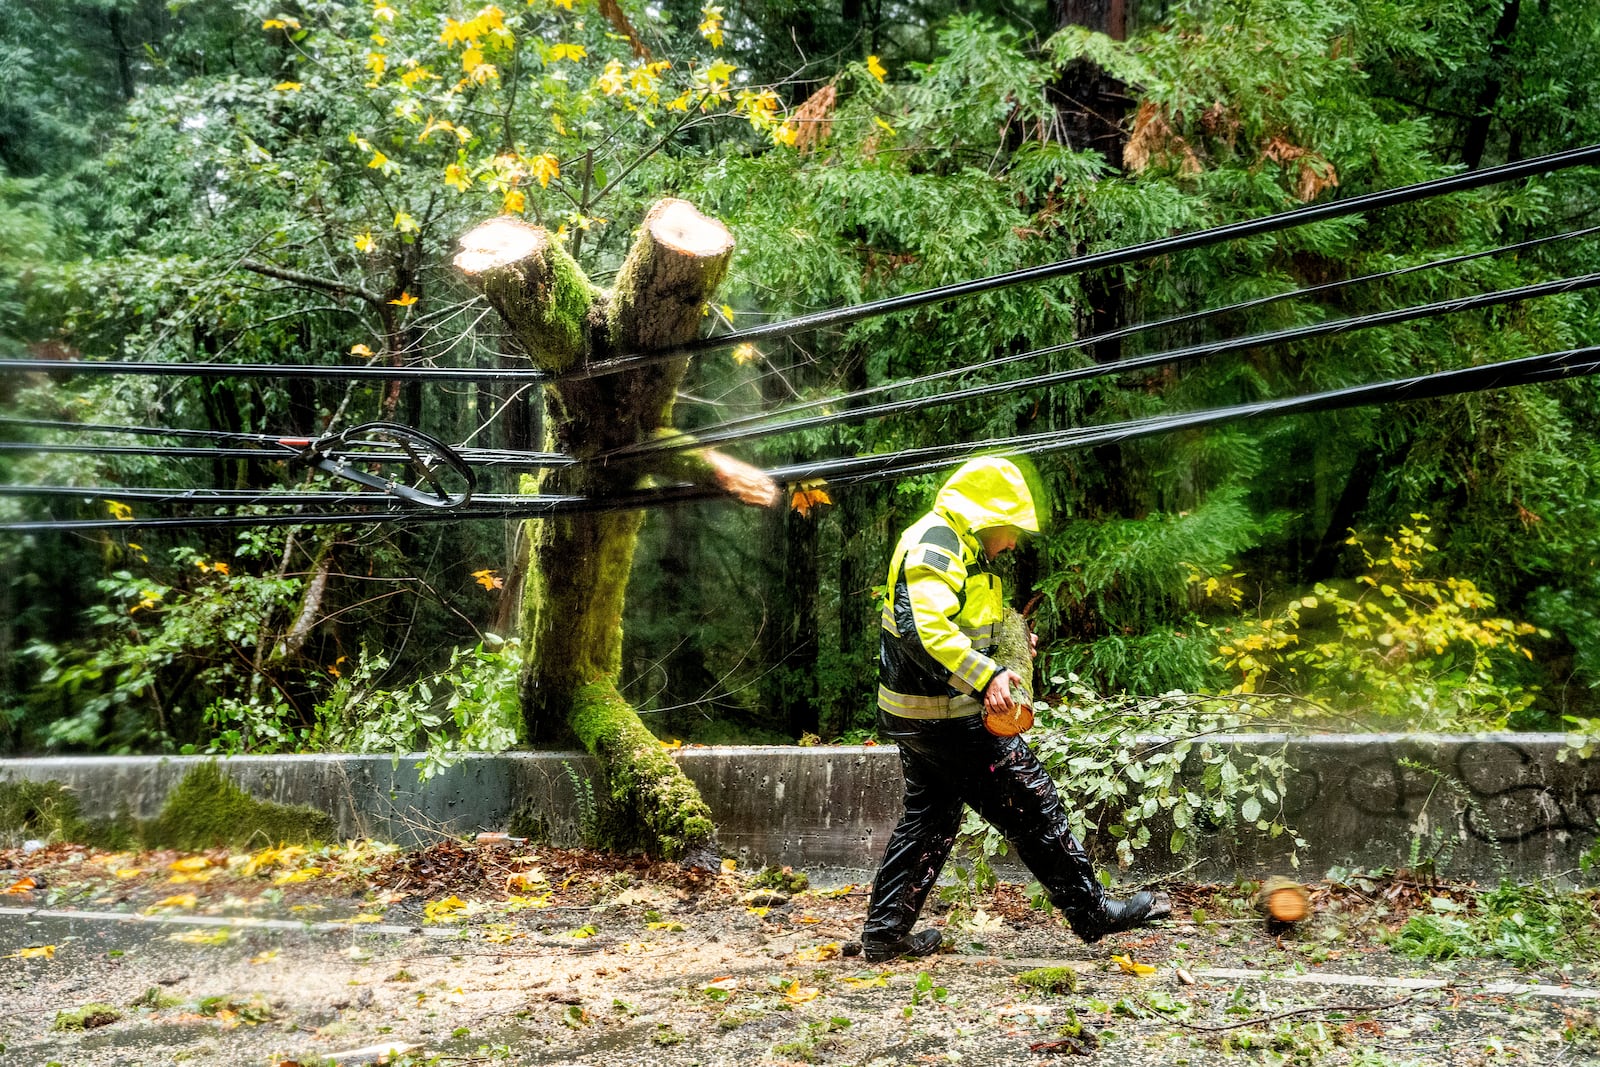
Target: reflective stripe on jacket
{"x":940,"y":624}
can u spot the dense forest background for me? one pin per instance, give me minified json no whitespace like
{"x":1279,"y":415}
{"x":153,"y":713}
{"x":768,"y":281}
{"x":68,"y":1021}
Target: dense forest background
{"x":197,"y":180}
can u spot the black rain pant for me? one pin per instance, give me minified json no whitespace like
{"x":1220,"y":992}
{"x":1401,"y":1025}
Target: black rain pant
{"x":951,"y":762}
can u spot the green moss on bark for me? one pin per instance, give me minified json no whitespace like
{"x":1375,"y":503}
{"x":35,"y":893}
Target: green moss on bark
{"x":648,"y":803}
{"x":206,"y":810}
{"x":1016,"y":652}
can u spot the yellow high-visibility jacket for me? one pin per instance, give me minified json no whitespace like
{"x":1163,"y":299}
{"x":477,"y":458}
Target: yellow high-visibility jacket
{"x":940,"y":623}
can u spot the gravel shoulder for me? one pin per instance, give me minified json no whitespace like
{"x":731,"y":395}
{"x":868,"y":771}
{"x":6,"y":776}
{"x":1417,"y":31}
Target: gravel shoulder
{"x":536,"y":956}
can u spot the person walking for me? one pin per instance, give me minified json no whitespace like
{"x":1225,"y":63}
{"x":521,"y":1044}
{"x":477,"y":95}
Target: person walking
{"x":937,"y":679}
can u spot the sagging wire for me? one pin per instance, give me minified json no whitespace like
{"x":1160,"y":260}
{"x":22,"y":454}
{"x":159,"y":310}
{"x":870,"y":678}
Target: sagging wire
{"x":1545,"y":367}
{"x":1116,"y":257}
{"x":703,"y":437}
{"x":503,"y":458}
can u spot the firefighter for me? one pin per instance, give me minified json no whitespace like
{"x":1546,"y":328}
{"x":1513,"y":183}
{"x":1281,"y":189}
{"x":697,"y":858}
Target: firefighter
{"x":937,"y":680}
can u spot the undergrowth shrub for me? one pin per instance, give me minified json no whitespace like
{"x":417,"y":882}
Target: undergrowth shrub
{"x":1393,"y":644}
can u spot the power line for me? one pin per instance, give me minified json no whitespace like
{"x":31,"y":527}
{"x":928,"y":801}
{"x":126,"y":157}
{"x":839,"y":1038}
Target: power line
{"x":1134,"y":363}
{"x":843,"y":316}
{"x":715,"y":431}
{"x":1546,"y":367}
{"x":287,"y":449}
{"x":1117,"y":257}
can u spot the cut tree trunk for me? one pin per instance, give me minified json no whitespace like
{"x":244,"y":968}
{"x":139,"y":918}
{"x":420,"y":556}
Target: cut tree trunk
{"x":579,"y":564}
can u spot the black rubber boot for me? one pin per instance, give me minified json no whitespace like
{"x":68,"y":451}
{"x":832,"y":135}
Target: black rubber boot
{"x":921,"y":943}
{"x":1123,"y":915}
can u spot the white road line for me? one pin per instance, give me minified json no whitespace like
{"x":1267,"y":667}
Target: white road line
{"x":1334,"y":979}
{"x":243,"y":922}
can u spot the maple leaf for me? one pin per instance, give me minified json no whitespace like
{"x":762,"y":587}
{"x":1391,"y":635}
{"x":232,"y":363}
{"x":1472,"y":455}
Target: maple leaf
{"x":488,"y":579}
{"x":378,"y":160}
{"x":384,"y":12}
{"x":189,"y":864}
{"x":263,"y":957}
{"x":807,"y":496}
{"x":282,"y":22}
{"x":447,"y":910}
{"x":288,"y":87}
{"x":545,"y":167}
{"x":360,"y":350}
{"x":1132,"y":966}
{"x":21,"y":885}
{"x":365,"y":243}
{"x":720,"y":72}
{"x":405,"y":223}
{"x":404,"y":300}
{"x":817,"y":954}
{"x":119,"y":511}
{"x":456,"y":176}
{"x":36,"y":952}
{"x":514,"y":202}
{"x":182,"y":900}
{"x":745,"y":353}
{"x":875,"y":68}
{"x":562,"y":50}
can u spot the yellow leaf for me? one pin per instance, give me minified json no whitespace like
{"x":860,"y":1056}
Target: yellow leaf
{"x":202,"y":937}
{"x":119,"y":511}
{"x":357,"y":920}
{"x":724,"y":985}
{"x":405,"y":223}
{"x":282,"y":22}
{"x":760,"y":913}
{"x":124,"y":873}
{"x":720,"y":72}
{"x":875,"y":68}
{"x":530,"y":880}
{"x":404,"y":300}
{"x":711,"y":27}
{"x":665,"y":925}
{"x":795,"y":993}
{"x":1131,"y":966}
{"x":890,"y":130}
{"x":384,"y":12}
{"x":264,"y":957}
{"x":563,"y":50}
{"x":745,"y":353}
{"x":365,"y":243}
{"x":545,"y":167}
{"x":830,"y":951}
{"x":583,"y":932}
{"x":360,"y":350}
{"x":377,"y":62}
{"x":182,"y":900}
{"x":456,"y":176}
{"x":189,"y":864}
{"x":730,"y":865}
{"x":194,"y":877}
{"x":288,"y":87}
{"x":488,"y":579}
{"x":304,"y":874}
{"x":674,"y":743}
{"x":36,"y":952}
{"x":21,"y":885}
{"x":377,"y":161}
{"x":809,"y":495}
{"x":447,"y":910}
{"x":866,"y":979}
{"x":514,"y":202}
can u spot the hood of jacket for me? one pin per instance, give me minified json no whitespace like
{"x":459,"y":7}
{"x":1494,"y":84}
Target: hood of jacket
{"x":984,"y":492}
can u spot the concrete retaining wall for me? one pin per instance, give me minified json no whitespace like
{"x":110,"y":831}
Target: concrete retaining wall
{"x":1490,"y":804}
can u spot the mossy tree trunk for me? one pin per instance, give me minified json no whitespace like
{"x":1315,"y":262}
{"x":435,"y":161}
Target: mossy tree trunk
{"x":579,"y":563}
